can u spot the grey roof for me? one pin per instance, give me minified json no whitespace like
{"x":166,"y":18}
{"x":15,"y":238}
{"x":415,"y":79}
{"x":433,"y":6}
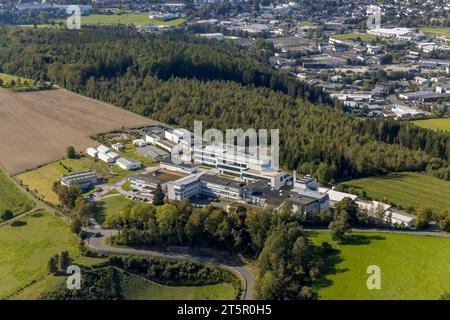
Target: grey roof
{"x":144,"y":178}
{"x":221,"y":181}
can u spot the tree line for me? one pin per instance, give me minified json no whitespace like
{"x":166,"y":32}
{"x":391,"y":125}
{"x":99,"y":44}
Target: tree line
{"x":179,"y":79}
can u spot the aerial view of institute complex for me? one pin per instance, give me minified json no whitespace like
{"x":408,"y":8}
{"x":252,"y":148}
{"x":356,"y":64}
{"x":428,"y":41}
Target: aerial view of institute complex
{"x":247,"y":151}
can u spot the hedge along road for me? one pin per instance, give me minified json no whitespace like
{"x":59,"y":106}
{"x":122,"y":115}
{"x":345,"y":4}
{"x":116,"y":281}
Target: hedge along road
{"x":96,"y":243}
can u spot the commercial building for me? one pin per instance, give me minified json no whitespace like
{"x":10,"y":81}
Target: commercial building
{"x":398,"y":33}
{"x":402,"y":112}
{"x":144,"y":184}
{"x":128,"y":164}
{"x":84,"y":179}
{"x":206,"y":184}
{"x":214,"y":186}
{"x":186,"y":187}
{"x":183,"y":167}
{"x":238,"y":162}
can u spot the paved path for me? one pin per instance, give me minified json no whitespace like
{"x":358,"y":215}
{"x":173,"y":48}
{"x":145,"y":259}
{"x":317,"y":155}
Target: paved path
{"x":182,"y":253}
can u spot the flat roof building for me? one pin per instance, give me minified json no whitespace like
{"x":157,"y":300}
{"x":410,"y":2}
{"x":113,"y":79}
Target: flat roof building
{"x":84,"y":179}
{"x":128,"y":163}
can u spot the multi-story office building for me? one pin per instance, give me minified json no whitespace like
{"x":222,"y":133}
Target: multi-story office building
{"x":238,"y":162}
{"x":205,"y":184}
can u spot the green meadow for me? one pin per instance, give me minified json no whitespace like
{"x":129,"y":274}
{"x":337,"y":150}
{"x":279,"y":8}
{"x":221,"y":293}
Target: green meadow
{"x":110,"y":206}
{"x":137,"y":288}
{"x":405,"y":189}
{"x":26,"y":246}
{"x":412,"y":267}
{"x":12,"y":198}
{"x":435,"y":124}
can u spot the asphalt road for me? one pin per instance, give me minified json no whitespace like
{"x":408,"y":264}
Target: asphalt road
{"x":182,"y":253}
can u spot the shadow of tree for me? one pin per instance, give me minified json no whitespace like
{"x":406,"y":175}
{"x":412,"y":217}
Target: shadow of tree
{"x":18,"y":223}
{"x":331,"y":261}
{"x":37,"y":215}
{"x":359,"y":239}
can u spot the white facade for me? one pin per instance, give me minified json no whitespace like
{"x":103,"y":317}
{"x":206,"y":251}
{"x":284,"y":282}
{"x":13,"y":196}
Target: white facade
{"x":128,"y":164}
{"x":390,"y":32}
{"x":92,"y":152}
{"x":103,"y":149}
{"x":106,"y":158}
{"x":139,"y":142}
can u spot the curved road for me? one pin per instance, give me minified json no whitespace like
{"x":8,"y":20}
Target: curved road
{"x":246,"y":276}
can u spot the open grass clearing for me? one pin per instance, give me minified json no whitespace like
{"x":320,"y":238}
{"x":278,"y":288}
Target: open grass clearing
{"x":26,"y":246}
{"x":12,"y":198}
{"x":412,"y":267}
{"x":435,"y":124}
{"x":405,"y":189}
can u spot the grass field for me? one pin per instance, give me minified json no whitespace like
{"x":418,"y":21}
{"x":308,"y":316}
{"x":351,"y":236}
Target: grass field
{"x":436,"y":31}
{"x":41,"y":180}
{"x":26,"y":246}
{"x":125,"y":18}
{"x":412,"y":267}
{"x":12,"y":198}
{"x":354,"y":36}
{"x":137,"y":288}
{"x":110,"y":206}
{"x":6,"y":78}
{"x":405,"y":189}
{"x":35,"y":130}
{"x":436,"y":124}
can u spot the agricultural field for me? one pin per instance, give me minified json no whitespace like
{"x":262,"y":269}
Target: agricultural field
{"x":35,"y":130}
{"x":436,"y":31}
{"x":27,"y":244}
{"x":412,"y":267}
{"x":110,"y":206}
{"x":435,"y":124}
{"x":138,"y":288}
{"x":353,"y":36}
{"x":125,"y":18}
{"x":404,"y":189}
{"x":12,"y":198}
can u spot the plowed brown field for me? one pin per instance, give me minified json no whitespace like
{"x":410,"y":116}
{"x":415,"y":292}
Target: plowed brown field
{"x":37,"y":127}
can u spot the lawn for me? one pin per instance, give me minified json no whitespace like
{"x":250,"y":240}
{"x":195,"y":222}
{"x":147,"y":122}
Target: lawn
{"x":412,"y":267}
{"x":12,"y":198}
{"x":138,"y":288}
{"x":405,"y":189}
{"x":111,"y":206}
{"x":353,"y":36}
{"x":21,"y":84}
{"x":436,"y":31}
{"x":41,"y":180}
{"x":26,"y":246}
{"x":126,"y":18}
{"x":436,"y":124}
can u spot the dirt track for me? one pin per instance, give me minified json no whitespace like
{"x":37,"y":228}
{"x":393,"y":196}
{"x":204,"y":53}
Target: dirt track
{"x":37,"y":127}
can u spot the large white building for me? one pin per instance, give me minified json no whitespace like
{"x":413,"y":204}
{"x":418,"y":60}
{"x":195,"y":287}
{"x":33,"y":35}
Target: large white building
{"x":398,"y":33}
{"x":235,"y":161}
{"x":205,"y":184}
